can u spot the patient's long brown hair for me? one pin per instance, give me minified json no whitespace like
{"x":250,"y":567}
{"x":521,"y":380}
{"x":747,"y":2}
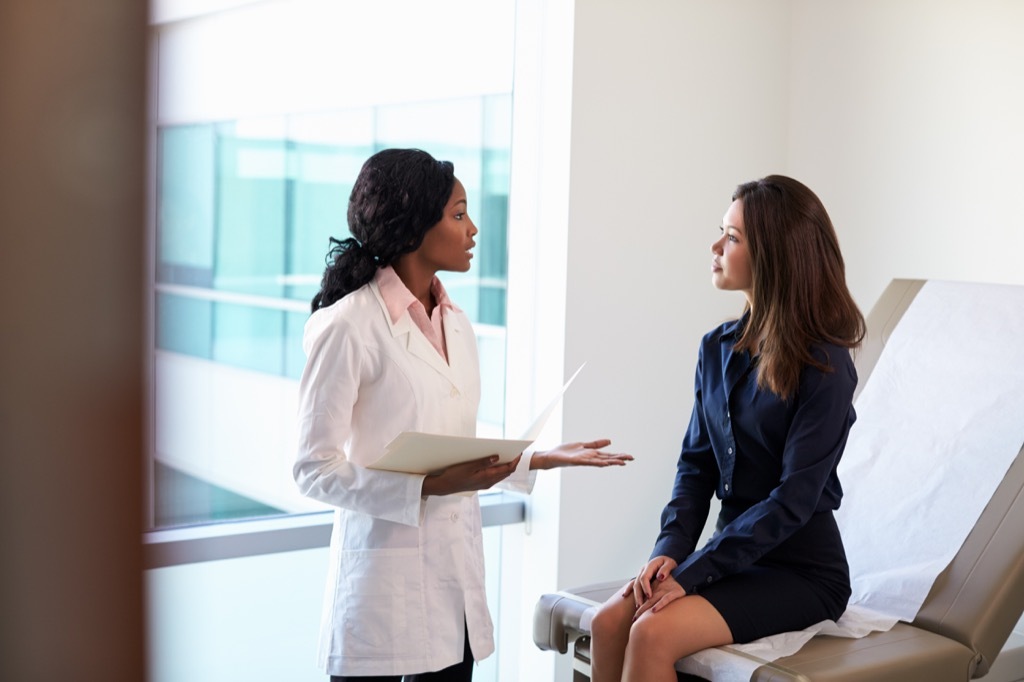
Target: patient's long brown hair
{"x":799,"y":292}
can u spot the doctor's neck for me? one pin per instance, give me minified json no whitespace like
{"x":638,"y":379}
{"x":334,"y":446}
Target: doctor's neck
{"x":417,"y":279}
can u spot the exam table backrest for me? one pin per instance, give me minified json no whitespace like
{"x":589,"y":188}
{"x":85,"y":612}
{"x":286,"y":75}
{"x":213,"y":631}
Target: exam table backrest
{"x":979,"y":598}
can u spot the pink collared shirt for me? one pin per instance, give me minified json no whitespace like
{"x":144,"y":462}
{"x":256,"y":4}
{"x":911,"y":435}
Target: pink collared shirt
{"x":399,"y":299}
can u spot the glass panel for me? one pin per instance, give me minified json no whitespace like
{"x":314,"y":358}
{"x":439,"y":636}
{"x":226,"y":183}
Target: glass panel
{"x":252,"y":195}
{"x":185,"y":209}
{"x":253,"y":618}
{"x":246,"y":209}
{"x":184,"y":325}
{"x":249,"y":337}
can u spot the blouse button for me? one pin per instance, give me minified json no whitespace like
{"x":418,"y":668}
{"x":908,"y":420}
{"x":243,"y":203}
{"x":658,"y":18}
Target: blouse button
{"x":726,"y":487}
{"x":710,"y":579}
{"x":455,"y":392}
{"x":454,"y":517}
{"x":729,"y":451}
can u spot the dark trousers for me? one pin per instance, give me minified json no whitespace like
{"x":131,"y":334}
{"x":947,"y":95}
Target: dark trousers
{"x":460,"y":672}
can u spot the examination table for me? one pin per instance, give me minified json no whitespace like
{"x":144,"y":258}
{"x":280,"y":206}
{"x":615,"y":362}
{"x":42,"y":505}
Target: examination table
{"x":964,"y":630}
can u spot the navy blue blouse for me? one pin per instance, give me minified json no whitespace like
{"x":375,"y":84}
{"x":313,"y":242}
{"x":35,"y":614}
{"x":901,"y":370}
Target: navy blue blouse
{"x":773,"y":460}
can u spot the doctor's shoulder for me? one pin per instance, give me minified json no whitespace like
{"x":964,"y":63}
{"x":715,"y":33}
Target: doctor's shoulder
{"x":350,"y":321}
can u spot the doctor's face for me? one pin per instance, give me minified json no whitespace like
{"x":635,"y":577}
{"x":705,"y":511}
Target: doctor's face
{"x":448,"y":244}
{"x":730,"y":262}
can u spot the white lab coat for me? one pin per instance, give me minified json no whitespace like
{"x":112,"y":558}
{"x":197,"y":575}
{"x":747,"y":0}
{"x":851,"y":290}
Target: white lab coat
{"x":403,"y":568}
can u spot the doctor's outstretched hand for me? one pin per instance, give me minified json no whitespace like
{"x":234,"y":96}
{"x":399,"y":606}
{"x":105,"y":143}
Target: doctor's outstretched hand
{"x":578,"y":455}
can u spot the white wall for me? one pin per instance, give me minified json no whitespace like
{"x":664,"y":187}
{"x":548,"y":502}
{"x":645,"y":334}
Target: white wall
{"x":907,"y":119}
{"x":668,"y":114}
{"x":662,"y":133}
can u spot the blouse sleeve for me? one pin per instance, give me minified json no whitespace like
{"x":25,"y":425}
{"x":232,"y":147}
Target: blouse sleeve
{"x":814,"y":443}
{"x":683,"y":518}
{"x":328,"y":390}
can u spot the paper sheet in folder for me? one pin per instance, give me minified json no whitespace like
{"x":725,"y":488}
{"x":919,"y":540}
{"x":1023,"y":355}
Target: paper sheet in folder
{"x":424,"y":453}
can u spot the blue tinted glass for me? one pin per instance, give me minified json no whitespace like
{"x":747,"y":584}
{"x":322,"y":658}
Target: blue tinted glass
{"x":185,"y":211}
{"x":250,"y":337}
{"x":248,"y":207}
{"x":251,"y":205}
{"x":184,"y":325}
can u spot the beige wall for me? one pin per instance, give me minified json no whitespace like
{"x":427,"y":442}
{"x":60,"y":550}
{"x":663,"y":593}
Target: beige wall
{"x":71,"y":191}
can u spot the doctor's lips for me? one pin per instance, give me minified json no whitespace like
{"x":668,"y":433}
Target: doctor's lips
{"x":715,"y":265}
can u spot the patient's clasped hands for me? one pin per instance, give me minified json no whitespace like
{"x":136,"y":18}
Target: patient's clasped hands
{"x":654,"y":588}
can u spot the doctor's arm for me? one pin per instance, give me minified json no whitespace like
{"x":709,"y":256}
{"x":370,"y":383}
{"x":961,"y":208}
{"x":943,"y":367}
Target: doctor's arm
{"x":322,"y":470}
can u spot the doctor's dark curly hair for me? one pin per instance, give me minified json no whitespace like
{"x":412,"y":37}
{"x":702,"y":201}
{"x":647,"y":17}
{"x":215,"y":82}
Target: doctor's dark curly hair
{"x":398,"y":196}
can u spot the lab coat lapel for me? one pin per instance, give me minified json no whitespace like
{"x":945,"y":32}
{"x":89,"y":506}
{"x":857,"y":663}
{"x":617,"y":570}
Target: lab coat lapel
{"x":458,"y":355}
{"x":420,"y":346}
{"x":415,"y":342}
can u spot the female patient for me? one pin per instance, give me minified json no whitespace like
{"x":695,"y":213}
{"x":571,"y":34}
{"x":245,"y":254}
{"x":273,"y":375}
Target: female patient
{"x":772,"y":411}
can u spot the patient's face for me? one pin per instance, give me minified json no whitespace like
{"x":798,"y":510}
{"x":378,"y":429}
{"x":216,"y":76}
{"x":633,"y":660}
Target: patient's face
{"x":730,"y":262}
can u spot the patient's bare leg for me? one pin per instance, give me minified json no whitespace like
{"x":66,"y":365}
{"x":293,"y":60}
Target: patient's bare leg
{"x":609,"y":634}
{"x":658,"y":639}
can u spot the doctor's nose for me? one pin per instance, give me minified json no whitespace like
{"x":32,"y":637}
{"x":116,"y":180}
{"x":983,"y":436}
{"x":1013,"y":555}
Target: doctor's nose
{"x":716,"y":246}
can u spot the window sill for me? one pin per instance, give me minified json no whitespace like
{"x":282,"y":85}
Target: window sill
{"x":294,"y":532}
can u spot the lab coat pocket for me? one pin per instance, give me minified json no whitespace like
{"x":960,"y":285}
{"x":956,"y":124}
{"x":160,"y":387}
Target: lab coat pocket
{"x":381,"y":599}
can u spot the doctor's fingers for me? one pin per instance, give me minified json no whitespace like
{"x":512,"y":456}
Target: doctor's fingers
{"x":486,"y":476}
{"x":605,"y":459}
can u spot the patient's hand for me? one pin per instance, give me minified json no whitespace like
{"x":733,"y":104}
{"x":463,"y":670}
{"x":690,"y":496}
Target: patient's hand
{"x":664,"y":593}
{"x":578,"y":454}
{"x":654,"y":572}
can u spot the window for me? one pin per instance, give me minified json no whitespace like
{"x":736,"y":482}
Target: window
{"x":263,"y":113}
{"x":244,"y":209}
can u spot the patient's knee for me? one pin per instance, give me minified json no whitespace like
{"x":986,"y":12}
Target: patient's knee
{"x":649,"y":635}
{"x":611,"y":620}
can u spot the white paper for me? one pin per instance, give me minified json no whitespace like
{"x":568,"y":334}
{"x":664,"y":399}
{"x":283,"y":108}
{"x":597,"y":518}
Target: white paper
{"x":533,"y":433}
{"x":426,"y":453}
{"x":919,"y":469}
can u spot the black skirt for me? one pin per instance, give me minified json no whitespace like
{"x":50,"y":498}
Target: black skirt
{"x":803,"y":581}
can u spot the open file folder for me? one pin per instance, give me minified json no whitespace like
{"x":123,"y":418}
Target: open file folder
{"x":426,"y":453}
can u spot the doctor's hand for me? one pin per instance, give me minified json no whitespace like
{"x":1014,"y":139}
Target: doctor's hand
{"x":578,"y":455}
{"x":478,"y":474}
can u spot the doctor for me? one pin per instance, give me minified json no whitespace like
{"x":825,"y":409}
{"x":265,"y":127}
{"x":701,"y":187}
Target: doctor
{"x":388,"y":351}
